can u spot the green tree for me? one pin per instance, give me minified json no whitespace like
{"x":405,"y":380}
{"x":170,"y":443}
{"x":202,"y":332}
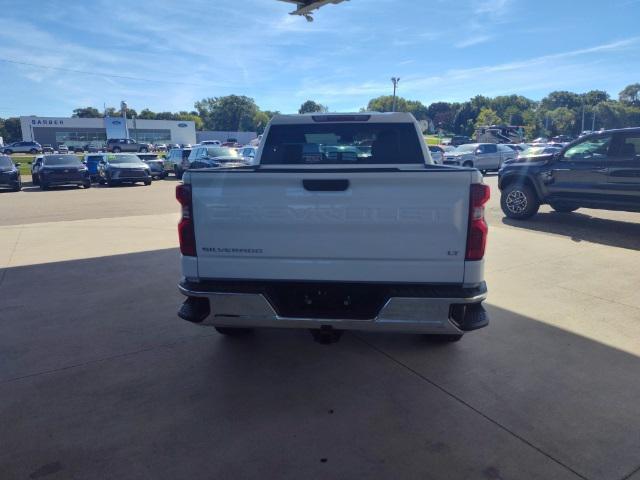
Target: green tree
{"x":384,"y":103}
{"x":564,"y":120}
{"x":630,"y":94}
{"x":594,"y":97}
{"x":147,"y":114}
{"x":561,"y":99}
{"x":260,"y":120}
{"x":487,"y":116}
{"x":10,"y":130}
{"x":229,"y":113}
{"x":86,"y":112}
{"x":310,"y":107}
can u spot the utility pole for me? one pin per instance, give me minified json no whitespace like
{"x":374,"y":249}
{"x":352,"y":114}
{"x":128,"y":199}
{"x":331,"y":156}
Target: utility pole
{"x":395,"y":81}
{"x":593,"y":121}
{"x":123,"y":107}
{"x":582,"y":129}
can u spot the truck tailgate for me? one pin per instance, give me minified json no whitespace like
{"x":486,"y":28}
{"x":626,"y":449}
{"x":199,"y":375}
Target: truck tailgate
{"x":357,"y":226}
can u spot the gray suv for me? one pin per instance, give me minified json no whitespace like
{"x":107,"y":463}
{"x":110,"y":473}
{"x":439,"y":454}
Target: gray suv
{"x":22,"y":147}
{"x":117,"y":145}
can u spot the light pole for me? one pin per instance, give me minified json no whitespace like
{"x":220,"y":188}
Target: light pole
{"x":123,"y":107}
{"x":395,"y":81}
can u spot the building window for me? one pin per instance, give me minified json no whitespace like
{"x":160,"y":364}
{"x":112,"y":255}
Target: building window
{"x":150,"y":136}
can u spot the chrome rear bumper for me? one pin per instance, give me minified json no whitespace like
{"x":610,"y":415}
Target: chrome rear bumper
{"x":433,"y":315}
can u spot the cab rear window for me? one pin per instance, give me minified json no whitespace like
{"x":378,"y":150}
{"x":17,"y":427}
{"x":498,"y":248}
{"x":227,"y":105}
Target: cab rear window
{"x":342,"y":144}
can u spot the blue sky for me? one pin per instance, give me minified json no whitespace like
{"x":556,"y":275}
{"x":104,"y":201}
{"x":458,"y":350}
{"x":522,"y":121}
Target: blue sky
{"x":174,"y":53}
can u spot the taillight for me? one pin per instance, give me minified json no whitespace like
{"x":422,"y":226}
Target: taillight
{"x":477,"y":231}
{"x":186,"y":233}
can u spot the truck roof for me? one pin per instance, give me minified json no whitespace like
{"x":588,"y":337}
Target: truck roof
{"x":318,"y":117}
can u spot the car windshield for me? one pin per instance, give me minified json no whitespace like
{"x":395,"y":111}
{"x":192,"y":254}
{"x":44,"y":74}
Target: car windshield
{"x":221,"y":152}
{"x":115,"y":159}
{"x":70,"y":160}
{"x":469,"y":147}
{"x":5,"y":162}
{"x":343,"y":143}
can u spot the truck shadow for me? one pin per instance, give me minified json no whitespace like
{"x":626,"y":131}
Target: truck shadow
{"x":584,"y":227}
{"x":99,"y":349}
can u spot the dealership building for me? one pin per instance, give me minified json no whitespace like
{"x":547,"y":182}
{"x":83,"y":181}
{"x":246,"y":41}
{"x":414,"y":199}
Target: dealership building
{"x":73,"y":131}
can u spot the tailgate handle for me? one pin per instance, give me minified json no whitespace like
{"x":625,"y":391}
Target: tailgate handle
{"x":329,"y":185}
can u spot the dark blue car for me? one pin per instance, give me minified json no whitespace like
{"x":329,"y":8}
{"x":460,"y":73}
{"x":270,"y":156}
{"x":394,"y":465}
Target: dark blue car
{"x":62,"y":170}
{"x":9,"y":174}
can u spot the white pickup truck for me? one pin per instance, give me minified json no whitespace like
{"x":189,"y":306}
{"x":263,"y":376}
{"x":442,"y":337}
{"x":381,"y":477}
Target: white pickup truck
{"x":343,"y":223}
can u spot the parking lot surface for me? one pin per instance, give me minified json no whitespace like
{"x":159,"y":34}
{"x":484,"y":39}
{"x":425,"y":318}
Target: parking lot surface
{"x":100,"y":379}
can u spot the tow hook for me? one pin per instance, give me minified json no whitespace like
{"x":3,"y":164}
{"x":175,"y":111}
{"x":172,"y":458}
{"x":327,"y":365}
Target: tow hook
{"x":326,"y":334}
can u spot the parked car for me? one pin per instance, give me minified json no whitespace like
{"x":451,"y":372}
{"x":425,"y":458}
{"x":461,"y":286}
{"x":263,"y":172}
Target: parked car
{"x":62,"y":148}
{"x":115,"y":169}
{"x":172,"y":145}
{"x":10,"y":174}
{"x":458,"y":140}
{"x":173,"y":162}
{"x":61,"y":169}
{"x":600,"y":170}
{"x":210,"y":142}
{"x":248,"y":154}
{"x":117,"y":145}
{"x":299,"y":241}
{"x":160,"y":147}
{"x":94,"y":147}
{"x":561,"y":139}
{"x":437,"y":154}
{"x":35,"y":166}
{"x":22,"y":147}
{"x":156,"y":164}
{"x":540,"y":140}
{"x":530,"y":154}
{"x":47,"y":148}
{"x":483,"y":156}
{"x":92,"y":161}
{"x":209,"y":156}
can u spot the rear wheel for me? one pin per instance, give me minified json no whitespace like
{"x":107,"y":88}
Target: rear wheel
{"x":17,"y":187}
{"x":34,"y":179}
{"x":111,"y":183}
{"x":519,"y":201}
{"x":564,"y":208}
{"x":147,"y":182}
{"x":44,"y":186}
{"x":468,"y":164}
{"x":116,"y":150}
{"x":87,"y":184}
{"x":233,"y":331}
{"x":177,"y":172}
{"x":143,"y":150}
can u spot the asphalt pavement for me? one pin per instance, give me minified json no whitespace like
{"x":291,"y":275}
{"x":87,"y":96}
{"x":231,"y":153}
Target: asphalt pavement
{"x":100,"y":379}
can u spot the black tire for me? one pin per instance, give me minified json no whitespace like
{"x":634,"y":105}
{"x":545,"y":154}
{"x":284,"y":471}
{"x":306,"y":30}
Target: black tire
{"x":33,"y":151}
{"x":35,"y":180}
{"x":143,"y":150}
{"x":177,"y":172}
{"x":44,"y":186}
{"x":18,"y":187}
{"x":450,"y":338}
{"x":116,"y":150}
{"x":147,"y":182}
{"x":519,"y":201}
{"x":8,"y":151}
{"x":111,"y":183}
{"x":87,"y":184}
{"x":468,"y":164}
{"x":233,"y":331}
{"x":564,"y":208}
